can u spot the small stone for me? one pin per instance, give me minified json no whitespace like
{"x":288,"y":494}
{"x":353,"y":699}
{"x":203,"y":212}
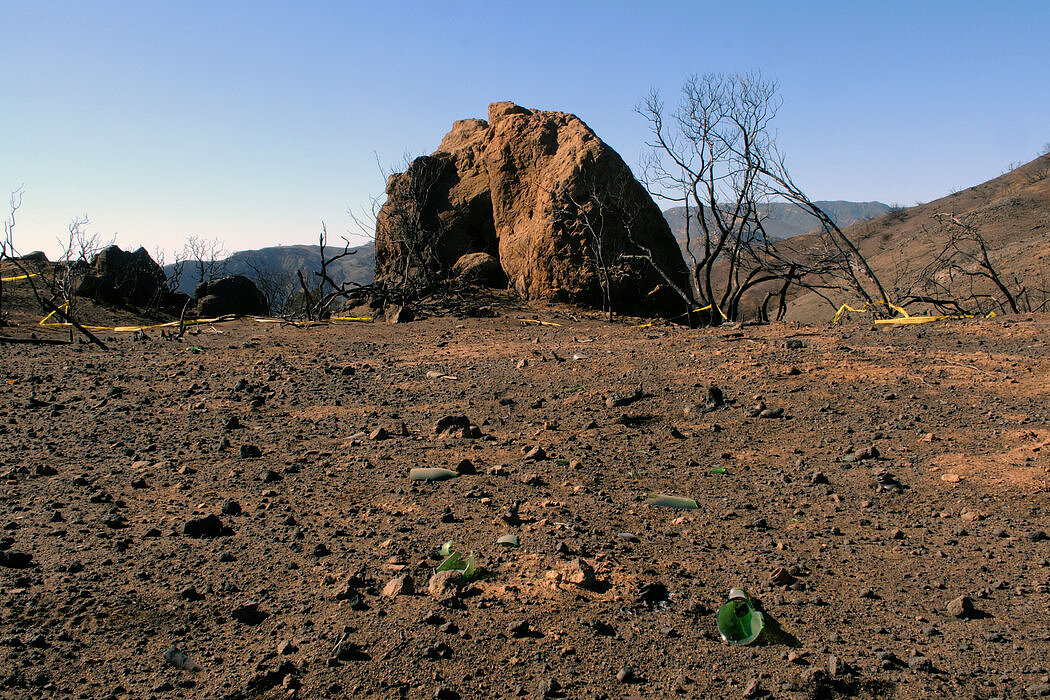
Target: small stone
{"x":547,"y":687}
{"x":1038,"y":690}
{"x":771,"y":413}
{"x":248,"y":614}
{"x":207,"y":526}
{"x":231,"y":507}
{"x":752,"y":689}
{"x":379,"y":433}
{"x":715,"y":399}
{"x":602,"y":628}
{"x":287,"y":647}
{"x":625,"y":674}
{"x":961,"y":607}
{"x":579,"y":573}
{"x":519,"y":629}
{"x":268,"y":476}
{"x":189,"y":593}
{"x":401,"y":585}
{"x":465,"y":466}
{"x":443,"y":692}
{"x":250,"y":452}
{"x":536,"y":454}
{"x":453,"y":426}
{"x":444,"y":586}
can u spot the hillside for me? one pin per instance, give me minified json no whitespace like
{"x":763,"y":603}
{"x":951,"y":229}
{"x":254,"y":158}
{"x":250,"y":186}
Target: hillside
{"x":279,"y":264}
{"x":1012,"y":214}
{"x":785,"y":220}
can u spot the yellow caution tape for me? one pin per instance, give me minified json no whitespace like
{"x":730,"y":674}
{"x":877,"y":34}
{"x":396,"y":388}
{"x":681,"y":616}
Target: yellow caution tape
{"x":864,"y":309}
{"x":910,"y":320}
{"x":539,"y":323}
{"x":674,"y":318}
{"x":19,"y":277}
{"x":193,"y":322}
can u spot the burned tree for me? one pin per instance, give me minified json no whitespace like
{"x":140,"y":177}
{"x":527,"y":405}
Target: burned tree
{"x":715,"y":155}
{"x":963,"y":277}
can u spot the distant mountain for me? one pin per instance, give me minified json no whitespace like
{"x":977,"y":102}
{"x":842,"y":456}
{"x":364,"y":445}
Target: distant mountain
{"x":279,"y":263}
{"x":786,"y":220}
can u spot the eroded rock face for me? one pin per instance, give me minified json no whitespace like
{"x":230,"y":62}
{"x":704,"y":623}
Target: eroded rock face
{"x":545,"y":197}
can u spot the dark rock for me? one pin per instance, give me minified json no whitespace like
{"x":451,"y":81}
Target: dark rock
{"x":268,"y":476}
{"x":519,"y":628}
{"x":207,"y":526}
{"x":715,"y":399}
{"x":961,"y":607}
{"x":231,"y":507}
{"x":249,"y":614}
{"x":129,"y":279}
{"x":15,"y":560}
{"x":453,"y":426}
{"x":235,"y":295}
{"x":250,"y":452}
{"x":601,"y":628}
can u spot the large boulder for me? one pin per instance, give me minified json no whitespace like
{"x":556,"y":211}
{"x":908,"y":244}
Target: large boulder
{"x":133,"y":279}
{"x":556,"y":209}
{"x":235,"y":295}
{"x":479,"y":268}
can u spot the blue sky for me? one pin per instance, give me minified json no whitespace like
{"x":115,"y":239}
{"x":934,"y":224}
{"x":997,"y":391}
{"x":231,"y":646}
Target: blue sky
{"x":254,"y":121}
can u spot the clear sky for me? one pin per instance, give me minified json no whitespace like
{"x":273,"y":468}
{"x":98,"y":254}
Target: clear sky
{"x":254,"y":121}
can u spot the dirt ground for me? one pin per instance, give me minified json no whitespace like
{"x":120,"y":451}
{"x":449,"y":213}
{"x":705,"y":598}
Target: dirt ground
{"x":110,"y":461}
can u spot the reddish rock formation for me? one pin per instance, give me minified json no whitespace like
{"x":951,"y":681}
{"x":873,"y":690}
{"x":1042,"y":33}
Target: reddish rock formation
{"x":543,"y":195}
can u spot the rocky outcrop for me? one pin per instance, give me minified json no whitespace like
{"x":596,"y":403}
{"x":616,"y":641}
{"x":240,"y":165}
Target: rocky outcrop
{"x":133,"y":279}
{"x":541,"y":196}
{"x":235,"y":295}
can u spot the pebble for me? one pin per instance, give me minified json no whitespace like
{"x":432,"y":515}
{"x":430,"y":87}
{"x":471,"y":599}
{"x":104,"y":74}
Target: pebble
{"x":444,"y":586}
{"x":207,"y":526}
{"x":579,"y":573}
{"x":961,"y":607}
{"x":401,"y":585}
{"x":519,"y":629}
{"x":248,"y":613}
{"x":625,"y":674}
{"x":250,"y":452}
{"x":536,"y":454}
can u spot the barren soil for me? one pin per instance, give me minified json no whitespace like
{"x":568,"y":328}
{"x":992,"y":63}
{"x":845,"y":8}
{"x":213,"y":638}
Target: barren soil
{"x":106,"y":456}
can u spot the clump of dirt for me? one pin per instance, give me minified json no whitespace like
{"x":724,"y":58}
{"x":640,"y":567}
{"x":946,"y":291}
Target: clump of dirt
{"x":231,"y":514}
